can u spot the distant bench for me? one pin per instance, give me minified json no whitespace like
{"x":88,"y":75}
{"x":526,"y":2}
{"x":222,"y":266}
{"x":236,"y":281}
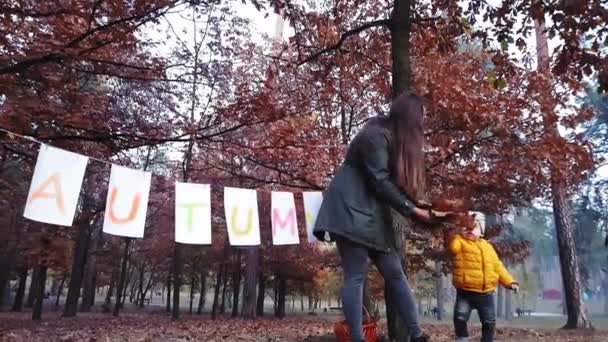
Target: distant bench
{"x":333,"y":308}
{"x":522,"y":312}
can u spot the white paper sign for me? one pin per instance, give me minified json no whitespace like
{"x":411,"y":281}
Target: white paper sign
{"x":242,"y":218}
{"x":284,"y":219}
{"x":193,"y":213}
{"x":55,"y":186}
{"x":127,"y":202}
{"x":312,"y":204}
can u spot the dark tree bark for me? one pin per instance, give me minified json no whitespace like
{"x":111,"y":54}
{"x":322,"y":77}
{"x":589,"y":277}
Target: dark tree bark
{"x":77,"y":271}
{"x":236,"y":284}
{"x":575,"y":308}
{"x":261,"y":296}
{"x":121,"y":283}
{"x":400,"y":26}
{"x":192,"y":284}
{"x":310,"y":302}
{"x":168,"y":308}
{"x":439,"y":286}
{"x":141,"y":294}
{"x":6,"y":265}
{"x":18,"y":302}
{"x":249,"y":287}
{"x":177,"y":282}
{"x":216,"y":293}
{"x":39,"y":292}
{"x":275,"y":285}
{"x":224,"y":286}
{"x":148,"y":287}
{"x":203,"y":291}
{"x":500,"y":302}
{"x":397,"y":328}
{"x":59,"y":293}
{"x":219,"y":279}
{"x":107,"y":303}
{"x":282,"y":291}
{"x":31,"y":293}
{"x":90,"y":275}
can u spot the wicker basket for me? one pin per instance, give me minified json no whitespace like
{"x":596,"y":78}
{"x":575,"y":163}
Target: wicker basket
{"x":369,"y":329}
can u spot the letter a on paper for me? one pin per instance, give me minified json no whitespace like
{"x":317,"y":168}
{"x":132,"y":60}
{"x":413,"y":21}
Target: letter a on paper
{"x":284,"y":220}
{"x":242,"y":218}
{"x":55,"y":186}
{"x":127,"y":202}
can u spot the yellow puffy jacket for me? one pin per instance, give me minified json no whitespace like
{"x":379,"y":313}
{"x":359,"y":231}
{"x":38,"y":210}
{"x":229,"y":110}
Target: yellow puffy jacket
{"x":476,"y":266}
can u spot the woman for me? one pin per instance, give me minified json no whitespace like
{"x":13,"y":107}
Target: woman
{"x":383,"y":169}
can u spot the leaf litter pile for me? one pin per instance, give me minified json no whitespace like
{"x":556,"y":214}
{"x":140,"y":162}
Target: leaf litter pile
{"x":155,"y":327}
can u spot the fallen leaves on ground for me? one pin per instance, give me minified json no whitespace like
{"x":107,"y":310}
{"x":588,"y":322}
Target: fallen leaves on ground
{"x":94,"y":327}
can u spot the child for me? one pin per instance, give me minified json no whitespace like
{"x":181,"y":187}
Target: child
{"x":477,"y":270}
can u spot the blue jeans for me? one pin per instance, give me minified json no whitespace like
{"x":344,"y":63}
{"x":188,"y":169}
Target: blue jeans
{"x":466,"y":302}
{"x":354,"y":263}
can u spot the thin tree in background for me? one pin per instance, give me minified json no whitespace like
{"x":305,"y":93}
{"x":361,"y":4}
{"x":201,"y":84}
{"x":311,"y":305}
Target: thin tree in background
{"x":564,"y":224}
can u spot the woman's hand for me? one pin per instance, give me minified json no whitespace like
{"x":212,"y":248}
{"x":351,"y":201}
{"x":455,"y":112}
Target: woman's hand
{"x":427,"y":215}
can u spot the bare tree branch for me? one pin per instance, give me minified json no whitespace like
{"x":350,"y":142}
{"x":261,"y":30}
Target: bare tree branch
{"x":345,"y":35}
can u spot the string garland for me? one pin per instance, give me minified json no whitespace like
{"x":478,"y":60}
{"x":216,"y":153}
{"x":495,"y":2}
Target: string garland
{"x":12,"y":134}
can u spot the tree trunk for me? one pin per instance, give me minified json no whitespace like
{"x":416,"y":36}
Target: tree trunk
{"x":508,"y":305}
{"x":282,"y":291}
{"x":219,"y":280}
{"x":575,"y":308}
{"x":5,"y":272}
{"x":224,"y":286}
{"x":88,"y":288}
{"x":121,"y":283}
{"x":39,"y":293}
{"x":400,"y":46}
{"x":401,"y":75}
{"x":276,"y":294}
{"x":18,"y":302}
{"x":107,"y":303}
{"x":77,"y":271}
{"x":440,"y":290}
{"x":249,"y":287}
{"x":192,"y":283}
{"x":301,"y":302}
{"x":261,"y":296}
{"x":168,"y":308}
{"x":397,"y":329}
{"x":500,"y":302}
{"x":236,"y":284}
{"x":90,"y":276}
{"x":31,"y":293}
{"x":141,"y":294}
{"x":177,"y":282}
{"x":216,"y":292}
{"x":577,"y":316}
{"x":54,"y":286}
{"x":59,"y":292}
{"x":203,"y":291}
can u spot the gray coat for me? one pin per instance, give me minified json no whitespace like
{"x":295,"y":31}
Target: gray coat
{"x":357,"y":203}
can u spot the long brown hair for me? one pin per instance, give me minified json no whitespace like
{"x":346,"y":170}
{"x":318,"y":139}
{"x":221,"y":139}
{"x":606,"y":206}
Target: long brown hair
{"x":407,"y":155}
